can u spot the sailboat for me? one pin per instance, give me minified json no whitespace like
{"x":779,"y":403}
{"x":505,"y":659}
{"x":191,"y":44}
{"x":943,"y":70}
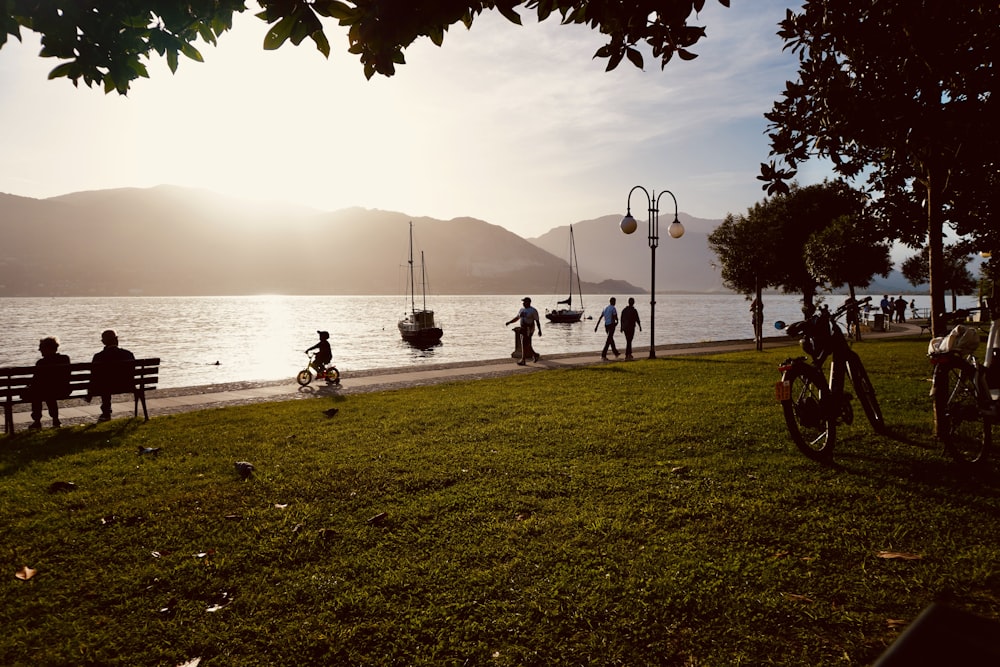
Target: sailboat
{"x":569,"y":314}
{"x":417,"y":327}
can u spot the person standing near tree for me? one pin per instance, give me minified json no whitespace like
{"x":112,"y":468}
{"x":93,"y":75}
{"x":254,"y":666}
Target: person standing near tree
{"x":630,"y":320}
{"x":886,"y":306}
{"x":610,"y":317}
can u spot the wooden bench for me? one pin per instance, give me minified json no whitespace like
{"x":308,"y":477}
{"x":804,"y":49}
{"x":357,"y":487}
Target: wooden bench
{"x":14,"y":380}
{"x":924,"y":324}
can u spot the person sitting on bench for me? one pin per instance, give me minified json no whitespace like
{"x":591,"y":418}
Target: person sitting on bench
{"x":49,"y":383}
{"x":112,"y":373}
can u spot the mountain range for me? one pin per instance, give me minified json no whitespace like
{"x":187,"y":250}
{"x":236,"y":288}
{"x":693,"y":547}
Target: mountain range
{"x":173,"y":241}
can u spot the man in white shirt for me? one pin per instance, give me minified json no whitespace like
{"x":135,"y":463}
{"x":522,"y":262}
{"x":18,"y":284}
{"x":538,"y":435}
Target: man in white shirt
{"x":610,"y":317}
{"x":528,"y":317}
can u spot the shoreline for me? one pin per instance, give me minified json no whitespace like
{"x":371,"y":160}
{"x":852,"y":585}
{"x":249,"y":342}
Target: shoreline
{"x":175,"y":400}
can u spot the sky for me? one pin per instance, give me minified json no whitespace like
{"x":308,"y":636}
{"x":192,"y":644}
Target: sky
{"x":515,"y":125}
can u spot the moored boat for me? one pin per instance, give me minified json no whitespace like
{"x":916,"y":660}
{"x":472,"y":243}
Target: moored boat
{"x":569,"y":314}
{"x":418,"y":327}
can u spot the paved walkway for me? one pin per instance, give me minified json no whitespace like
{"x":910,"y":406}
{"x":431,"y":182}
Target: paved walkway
{"x":171,"y":401}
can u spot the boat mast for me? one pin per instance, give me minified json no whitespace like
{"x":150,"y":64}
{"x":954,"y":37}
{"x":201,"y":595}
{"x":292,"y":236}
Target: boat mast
{"x":423,"y":280}
{"x":579,"y":287}
{"x":413,"y":305}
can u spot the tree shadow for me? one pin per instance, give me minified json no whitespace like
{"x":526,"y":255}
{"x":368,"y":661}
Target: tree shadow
{"x":27,"y":447}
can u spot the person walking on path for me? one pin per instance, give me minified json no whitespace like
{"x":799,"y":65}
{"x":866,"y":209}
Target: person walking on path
{"x":49,"y":383}
{"x":610,"y":317}
{"x":113,"y":373}
{"x":528,"y":316}
{"x":757,"y":320}
{"x":900,"y":305}
{"x":630,"y":320}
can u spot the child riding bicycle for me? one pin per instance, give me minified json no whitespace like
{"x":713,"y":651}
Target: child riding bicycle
{"x":324,"y":354}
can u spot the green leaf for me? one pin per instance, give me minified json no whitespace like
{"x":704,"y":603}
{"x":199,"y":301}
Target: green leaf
{"x":613,"y":62}
{"x":684,"y":54}
{"x":172,"y":60}
{"x":436,"y":33}
{"x":65,"y":69}
{"x":510,"y":14}
{"x":322,"y":43}
{"x":634,"y":57}
{"x":279,"y":33}
{"x":191,"y":52}
{"x":335,"y":9}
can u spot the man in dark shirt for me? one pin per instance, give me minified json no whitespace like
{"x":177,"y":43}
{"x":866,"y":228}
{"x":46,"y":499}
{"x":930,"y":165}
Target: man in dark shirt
{"x":113,"y":373}
{"x":50,"y":382}
{"x":629,"y":321}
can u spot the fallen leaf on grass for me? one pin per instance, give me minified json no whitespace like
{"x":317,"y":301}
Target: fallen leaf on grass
{"x":224,"y":601}
{"x":900,"y":555}
{"x":280,"y":506}
{"x":153,"y":451}
{"x":780,"y":554}
{"x":378,"y":518}
{"x":25,"y":573}
{"x":895,"y":622}
{"x":795,"y":597}
{"x":193,"y":662}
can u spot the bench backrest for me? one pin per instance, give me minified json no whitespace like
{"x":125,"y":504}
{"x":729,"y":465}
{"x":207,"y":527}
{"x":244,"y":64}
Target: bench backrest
{"x":15,"y":379}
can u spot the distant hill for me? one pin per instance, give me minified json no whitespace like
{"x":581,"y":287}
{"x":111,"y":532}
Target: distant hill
{"x":682,"y":265}
{"x":182,"y":241}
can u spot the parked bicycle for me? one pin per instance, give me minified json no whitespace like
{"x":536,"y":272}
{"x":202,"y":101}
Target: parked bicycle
{"x":315,"y":371}
{"x":966,"y":391}
{"x":812,"y":406}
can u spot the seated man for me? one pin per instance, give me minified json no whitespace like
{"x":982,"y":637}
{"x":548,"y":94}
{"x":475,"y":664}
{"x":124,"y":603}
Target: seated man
{"x":113,"y":373}
{"x":49,"y":383}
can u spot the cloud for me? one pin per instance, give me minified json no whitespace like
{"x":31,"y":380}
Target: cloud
{"x":519,"y":126}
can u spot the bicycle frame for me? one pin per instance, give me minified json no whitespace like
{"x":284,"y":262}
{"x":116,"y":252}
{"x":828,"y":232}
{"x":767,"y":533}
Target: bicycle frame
{"x":814,"y":403}
{"x":966,"y":392}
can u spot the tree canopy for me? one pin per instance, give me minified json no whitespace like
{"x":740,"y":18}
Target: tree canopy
{"x":956,"y":277}
{"x":107,"y":41}
{"x":786,"y":242}
{"x":899,"y":91}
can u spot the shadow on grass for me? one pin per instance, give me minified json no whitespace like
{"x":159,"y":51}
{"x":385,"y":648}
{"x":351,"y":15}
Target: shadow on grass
{"x":26,"y":447}
{"x":938,"y":475}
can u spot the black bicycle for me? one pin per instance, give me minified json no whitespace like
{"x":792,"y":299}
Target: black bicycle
{"x":966,"y":391}
{"x":813,"y":407}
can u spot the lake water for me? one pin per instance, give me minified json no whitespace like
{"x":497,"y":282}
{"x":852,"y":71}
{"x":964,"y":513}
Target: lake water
{"x":262,"y":338}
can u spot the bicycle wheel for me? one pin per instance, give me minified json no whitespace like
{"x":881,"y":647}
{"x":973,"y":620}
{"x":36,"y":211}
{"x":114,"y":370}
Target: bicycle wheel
{"x":967,"y":432}
{"x":812,"y":431}
{"x":304,"y":377}
{"x":866,"y":394}
{"x":332,"y":375}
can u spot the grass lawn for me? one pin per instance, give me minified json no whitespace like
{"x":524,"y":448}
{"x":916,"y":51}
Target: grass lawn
{"x":645,"y":513}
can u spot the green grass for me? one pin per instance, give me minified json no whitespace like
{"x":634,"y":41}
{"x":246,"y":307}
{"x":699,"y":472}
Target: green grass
{"x":654,"y":512}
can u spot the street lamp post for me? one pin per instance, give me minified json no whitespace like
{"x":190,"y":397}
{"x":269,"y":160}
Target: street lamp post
{"x":676,"y":230}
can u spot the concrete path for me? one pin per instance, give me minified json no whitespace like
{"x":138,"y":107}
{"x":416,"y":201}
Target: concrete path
{"x":171,"y":401}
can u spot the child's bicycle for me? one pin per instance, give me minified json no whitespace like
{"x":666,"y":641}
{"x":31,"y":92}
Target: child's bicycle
{"x":813,"y":407}
{"x":966,"y":391}
{"x":313,"y":371}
